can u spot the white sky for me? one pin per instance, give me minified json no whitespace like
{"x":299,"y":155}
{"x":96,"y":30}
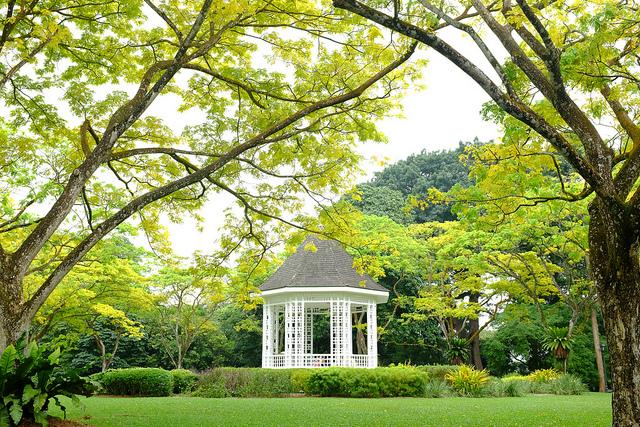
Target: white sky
{"x":436,"y":118}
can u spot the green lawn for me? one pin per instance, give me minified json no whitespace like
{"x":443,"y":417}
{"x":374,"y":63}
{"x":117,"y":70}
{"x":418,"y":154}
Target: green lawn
{"x":591,"y":409}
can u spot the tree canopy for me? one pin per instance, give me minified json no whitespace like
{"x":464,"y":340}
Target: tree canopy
{"x":284,"y":92}
{"x":562,"y":78}
{"x":397,"y":190}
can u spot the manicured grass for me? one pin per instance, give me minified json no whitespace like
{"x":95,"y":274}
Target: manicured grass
{"x":591,"y":409}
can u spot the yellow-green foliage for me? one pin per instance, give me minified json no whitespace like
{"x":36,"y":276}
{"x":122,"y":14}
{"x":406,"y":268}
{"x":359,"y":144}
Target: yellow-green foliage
{"x":299,"y":378}
{"x":543,"y":375}
{"x":515,"y":377}
{"x":467,"y":381}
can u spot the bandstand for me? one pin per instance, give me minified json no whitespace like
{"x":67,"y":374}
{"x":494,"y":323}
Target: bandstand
{"x":318,"y":279}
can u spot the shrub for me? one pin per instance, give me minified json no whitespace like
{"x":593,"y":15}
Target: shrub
{"x":184,"y":380}
{"x":30,"y":381}
{"x":138,"y":382}
{"x":245,"y":382}
{"x":299,"y":379}
{"x":511,"y":388}
{"x":543,"y":375}
{"x":567,"y":384}
{"x":457,"y":350}
{"x":379,"y":382}
{"x":437,"y":371}
{"x":437,"y":388}
{"x":467,"y":381}
{"x":547,"y":381}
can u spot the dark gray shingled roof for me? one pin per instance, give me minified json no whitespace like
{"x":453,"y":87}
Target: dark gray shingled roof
{"x":329,"y":266}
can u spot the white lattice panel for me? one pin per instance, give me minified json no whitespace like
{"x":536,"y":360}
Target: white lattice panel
{"x":372,"y":335}
{"x":296,"y":317}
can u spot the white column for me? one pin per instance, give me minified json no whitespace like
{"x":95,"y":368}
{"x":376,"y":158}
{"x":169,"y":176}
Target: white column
{"x":276,"y":329}
{"x":347,"y":359}
{"x":341,"y":332}
{"x":266,"y":336}
{"x":294,"y":333}
{"x":336,"y":337}
{"x":299,"y":350}
{"x":288,"y":334}
{"x":372,"y":335}
{"x":308,"y":331}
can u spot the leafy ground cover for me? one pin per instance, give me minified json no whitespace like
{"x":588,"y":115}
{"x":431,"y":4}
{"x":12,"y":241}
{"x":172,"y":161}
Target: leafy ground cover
{"x":592,"y":409}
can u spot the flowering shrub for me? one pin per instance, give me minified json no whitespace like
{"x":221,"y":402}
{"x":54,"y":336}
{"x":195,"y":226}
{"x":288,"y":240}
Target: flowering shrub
{"x":543,"y":375}
{"x":467,"y":381}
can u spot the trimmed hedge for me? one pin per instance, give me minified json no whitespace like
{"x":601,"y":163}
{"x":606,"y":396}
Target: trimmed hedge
{"x":184,"y":380}
{"x":137,"y":382}
{"x":245,"y":382}
{"x":351,"y":382}
{"x":300,"y":379}
{"x":379,"y":382}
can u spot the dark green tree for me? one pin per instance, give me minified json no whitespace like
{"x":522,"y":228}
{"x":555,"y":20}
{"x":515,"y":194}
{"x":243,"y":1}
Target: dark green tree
{"x":414,"y":177}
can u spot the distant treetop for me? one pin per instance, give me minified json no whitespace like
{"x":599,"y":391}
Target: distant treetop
{"x":387,"y":192}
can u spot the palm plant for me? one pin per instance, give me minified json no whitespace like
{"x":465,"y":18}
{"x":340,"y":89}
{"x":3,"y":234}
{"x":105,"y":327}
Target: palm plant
{"x":458,"y":350}
{"x":559,"y":343}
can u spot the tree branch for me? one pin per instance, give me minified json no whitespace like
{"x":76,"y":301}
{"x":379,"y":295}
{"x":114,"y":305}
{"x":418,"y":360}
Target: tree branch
{"x":101,"y":230}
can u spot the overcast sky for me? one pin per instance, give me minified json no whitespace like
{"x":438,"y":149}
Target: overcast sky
{"x":445,"y":112}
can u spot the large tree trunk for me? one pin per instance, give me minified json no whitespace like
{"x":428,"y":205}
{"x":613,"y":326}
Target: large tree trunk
{"x":12,"y":324}
{"x":595,"y":330}
{"x":613,"y":242}
{"x":10,"y":330}
{"x":474,"y":327}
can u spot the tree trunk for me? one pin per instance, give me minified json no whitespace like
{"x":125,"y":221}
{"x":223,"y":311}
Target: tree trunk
{"x":103,"y":352}
{"x":11,"y":330}
{"x":475,"y":352}
{"x":12,"y":324}
{"x":474,"y":327}
{"x":602,"y":383}
{"x":179,"y":359}
{"x":361,"y":341}
{"x":615,"y":265}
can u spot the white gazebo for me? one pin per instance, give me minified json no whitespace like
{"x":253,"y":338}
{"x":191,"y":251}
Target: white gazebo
{"x":318,"y":279}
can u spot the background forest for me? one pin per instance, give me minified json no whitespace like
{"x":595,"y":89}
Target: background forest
{"x":509,"y":293}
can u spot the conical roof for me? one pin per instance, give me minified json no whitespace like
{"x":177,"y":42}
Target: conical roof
{"x":329,"y":266}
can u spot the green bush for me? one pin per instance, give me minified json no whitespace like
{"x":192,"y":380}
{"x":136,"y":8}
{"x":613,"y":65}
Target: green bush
{"x":31,"y":381}
{"x":300,"y":378}
{"x":496,"y":387}
{"x":467,"y":381}
{"x":245,"y":382}
{"x":437,"y":371}
{"x":137,"y":382}
{"x":379,"y":382}
{"x":567,"y":384}
{"x":184,"y":381}
{"x":437,"y":388}
{"x":547,"y":381}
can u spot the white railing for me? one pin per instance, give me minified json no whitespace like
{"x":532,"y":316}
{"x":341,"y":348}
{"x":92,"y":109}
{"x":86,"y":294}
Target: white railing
{"x":360,"y":361}
{"x":317,"y":361}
